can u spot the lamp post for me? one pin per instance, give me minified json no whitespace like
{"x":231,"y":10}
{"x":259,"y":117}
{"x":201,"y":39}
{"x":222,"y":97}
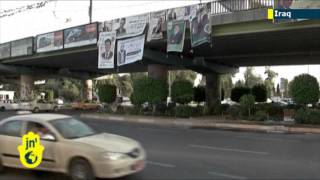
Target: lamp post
{"x":90,"y":12}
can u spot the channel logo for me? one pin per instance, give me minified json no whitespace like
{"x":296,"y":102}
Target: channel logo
{"x":31,"y":150}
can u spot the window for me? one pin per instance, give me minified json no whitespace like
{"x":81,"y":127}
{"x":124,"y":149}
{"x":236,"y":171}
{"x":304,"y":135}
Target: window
{"x":40,"y":129}
{"x":11,"y":128}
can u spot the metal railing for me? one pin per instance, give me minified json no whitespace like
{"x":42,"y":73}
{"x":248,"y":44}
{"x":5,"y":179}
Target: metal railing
{"x":229,"y":6}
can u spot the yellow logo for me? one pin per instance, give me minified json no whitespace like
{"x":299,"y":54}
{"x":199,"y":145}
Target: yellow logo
{"x":31,"y":150}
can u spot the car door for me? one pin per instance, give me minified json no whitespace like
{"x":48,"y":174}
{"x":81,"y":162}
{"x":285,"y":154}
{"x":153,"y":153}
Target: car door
{"x":10,"y":139}
{"x":49,"y":153}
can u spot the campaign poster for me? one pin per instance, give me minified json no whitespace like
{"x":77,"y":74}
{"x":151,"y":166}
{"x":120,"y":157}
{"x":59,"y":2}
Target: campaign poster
{"x":80,"y":36}
{"x":130,"y":26}
{"x":50,"y":41}
{"x":22,"y":47}
{"x":130,"y":50}
{"x":106,"y":26}
{"x":200,"y":27}
{"x":106,"y":46}
{"x":4,"y":50}
{"x":175,"y":14}
{"x":175,"y":35}
{"x":156,"y":21}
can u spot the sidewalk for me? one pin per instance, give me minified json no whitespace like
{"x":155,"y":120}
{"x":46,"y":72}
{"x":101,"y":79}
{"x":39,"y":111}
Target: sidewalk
{"x":208,"y":122}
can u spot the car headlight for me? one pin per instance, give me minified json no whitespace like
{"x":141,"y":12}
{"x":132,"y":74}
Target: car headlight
{"x":113,"y":155}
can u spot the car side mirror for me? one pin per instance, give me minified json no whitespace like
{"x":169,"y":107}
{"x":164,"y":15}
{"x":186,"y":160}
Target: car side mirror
{"x":48,"y":137}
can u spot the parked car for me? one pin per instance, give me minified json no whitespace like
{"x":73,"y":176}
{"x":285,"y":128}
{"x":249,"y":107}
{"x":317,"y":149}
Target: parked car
{"x":42,"y":105}
{"x":71,"y":147}
{"x":86,"y":105}
{"x":14,"y":105}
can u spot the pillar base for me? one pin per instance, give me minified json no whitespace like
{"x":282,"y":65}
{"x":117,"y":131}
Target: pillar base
{"x":213,"y":90}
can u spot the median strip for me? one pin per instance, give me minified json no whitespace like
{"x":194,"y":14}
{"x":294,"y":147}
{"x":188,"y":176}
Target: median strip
{"x":161,"y":164}
{"x":227,"y":149}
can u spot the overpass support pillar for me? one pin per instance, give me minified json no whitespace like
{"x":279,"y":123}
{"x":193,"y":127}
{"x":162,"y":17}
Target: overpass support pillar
{"x":26,"y":87}
{"x":87,"y":90}
{"x":158,"y":71}
{"x":213,"y":90}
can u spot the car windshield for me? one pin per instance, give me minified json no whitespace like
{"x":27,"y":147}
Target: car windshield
{"x":72,"y":128}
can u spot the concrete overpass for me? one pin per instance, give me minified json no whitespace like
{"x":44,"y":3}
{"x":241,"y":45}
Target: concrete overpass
{"x":241,"y":37}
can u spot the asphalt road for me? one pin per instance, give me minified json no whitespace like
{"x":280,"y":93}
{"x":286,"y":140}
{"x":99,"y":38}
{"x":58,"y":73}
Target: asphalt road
{"x":177,"y":153}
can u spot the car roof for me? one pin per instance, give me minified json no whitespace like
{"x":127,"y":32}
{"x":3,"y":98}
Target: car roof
{"x":38,"y":117}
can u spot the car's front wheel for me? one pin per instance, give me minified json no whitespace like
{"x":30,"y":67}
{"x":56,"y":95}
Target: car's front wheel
{"x":55,"y":109}
{"x":36,"y":110}
{"x":80,"y":169}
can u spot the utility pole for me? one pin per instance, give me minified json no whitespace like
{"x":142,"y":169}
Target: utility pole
{"x":90,"y":12}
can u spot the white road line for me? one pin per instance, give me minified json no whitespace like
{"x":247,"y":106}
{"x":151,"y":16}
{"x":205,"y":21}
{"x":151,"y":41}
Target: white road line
{"x":267,"y":139}
{"x":228,"y":149}
{"x":154,"y":129}
{"x":161,"y":164}
{"x":229,"y":176}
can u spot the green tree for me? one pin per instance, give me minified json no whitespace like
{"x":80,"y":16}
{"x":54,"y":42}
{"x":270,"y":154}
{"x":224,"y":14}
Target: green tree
{"x":199,"y":94}
{"x":107,"y":92}
{"x":247,"y":102}
{"x":182,"y":91}
{"x":259,"y":91}
{"x":250,"y":79}
{"x":238,"y":92}
{"x":269,"y":81}
{"x":304,"y":89}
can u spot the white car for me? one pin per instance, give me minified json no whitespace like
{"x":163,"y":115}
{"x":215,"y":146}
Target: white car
{"x":71,"y":147}
{"x":15,"y":106}
{"x":42,"y":105}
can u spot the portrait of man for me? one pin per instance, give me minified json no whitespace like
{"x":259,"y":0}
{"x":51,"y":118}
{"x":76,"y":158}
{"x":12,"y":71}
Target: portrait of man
{"x":122,"y":55}
{"x":121,"y":30}
{"x":176,"y":36}
{"x":200,"y":25}
{"x":108,"y":54}
{"x":171,"y":15}
{"x":157,"y":29}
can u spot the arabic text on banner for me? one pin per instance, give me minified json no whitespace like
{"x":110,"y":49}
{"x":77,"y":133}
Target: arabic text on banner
{"x":175,"y":35}
{"x":156,"y":25}
{"x":106,"y":45}
{"x":130,"y":50}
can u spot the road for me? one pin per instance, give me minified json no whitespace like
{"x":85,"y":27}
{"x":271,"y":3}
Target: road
{"x":179,"y":153}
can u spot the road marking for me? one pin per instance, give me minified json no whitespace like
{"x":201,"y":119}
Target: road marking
{"x":154,"y":129}
{"x":229,"y":176}
{"x":267,"y":139}
{"x":228,"y":149}
{"x":161,"y":164}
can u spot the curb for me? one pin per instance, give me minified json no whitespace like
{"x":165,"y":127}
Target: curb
{"x":196,"y":124}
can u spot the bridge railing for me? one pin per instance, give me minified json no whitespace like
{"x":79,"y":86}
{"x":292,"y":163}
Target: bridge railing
{"x":229,"y":6}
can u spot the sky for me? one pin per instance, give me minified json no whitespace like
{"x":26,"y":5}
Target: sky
{"x":61,"y":14}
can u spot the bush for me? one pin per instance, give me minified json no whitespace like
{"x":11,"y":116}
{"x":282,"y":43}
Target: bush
{"x":274,"y":112}
{"x":259,"y":91}
{"x":238,"y":92}
{"x":150,"y":90}
{"x":260,"y":116}
{"x":183,"y":111}
{"x":234,"y":111}
{"x":199,"y":94}
{"x":307,"y":116}
{"x":304,"y":89}
{"x":247,"y":102}
{"x":107,"y":93}
{"x":182,"y":91}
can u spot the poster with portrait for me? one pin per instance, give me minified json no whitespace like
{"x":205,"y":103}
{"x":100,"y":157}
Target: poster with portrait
{"x":156,"y":21}
{"x":80,"y":35}
{"x":175,"y":35}
{"x":200,"y":27}
{"x":4,"y":50}
{"x":175,"y":14}
{"x":130,"y":50}
{"x":22,"y":47}
{"x":106,"y":26}
{"x":190,"y":11}
{"x":130,"y":26}
{"x":106,"y":45}
{"x":50,"y":41}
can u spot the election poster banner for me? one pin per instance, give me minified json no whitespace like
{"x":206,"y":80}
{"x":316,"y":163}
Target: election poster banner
{"x":106,"y":46}
{"x":175,"y":14}
{"x":22,"y":47}
{"x":80,"y":36}
{"x":156,"y":21}
{"x":106,"y":26}
{"x":175,"y":35}
{"x":130,"y":26}
{"x":200,"y":27}
{"x":50,"y":41}
{"x":130,"y":50}
{"x":4,"y":50}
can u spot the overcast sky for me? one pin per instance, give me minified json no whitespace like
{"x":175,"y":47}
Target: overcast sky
{"x":62,"y":14}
